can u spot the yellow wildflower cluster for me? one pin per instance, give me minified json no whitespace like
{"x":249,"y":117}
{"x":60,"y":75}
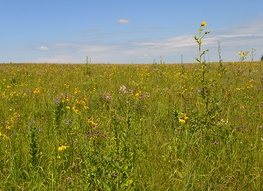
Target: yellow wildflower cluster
{"x":36,"y":91}
{"x":183,"y":118}
{"x":62,"y":147}
{"x":77,"y":90}
{"x":243,"y":55}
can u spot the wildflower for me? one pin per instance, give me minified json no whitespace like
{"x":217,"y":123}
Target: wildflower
{"x":113,"y":138}
{"x":117,"y":160}
{"x":181,"y":120}
{"x":90,"y":120}
{"x":198,"y":135}
{"x":216,"y":143}
{"x":67,"y":107}
{"x":8,"y":127}
{"x":58,"y":157}
{"x":39,"y":129}
{"x":72,"y":133}
{"x":95,"y":125}
{"x":114,"y":175}
{"x":93,"y":137}
{"x":36,"y":91}
{"x":0,"y":134}
{"x":61,"y":147}
{"x":75,"y":109}
{"x":203,"y":24}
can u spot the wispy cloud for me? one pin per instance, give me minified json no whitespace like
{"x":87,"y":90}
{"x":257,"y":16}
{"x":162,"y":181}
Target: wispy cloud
{"x":144,"y":56}
{"x":105,"y":49}
{"x":123,"y":21}
{"x":56,"y":59}
{"x":42,"y":48}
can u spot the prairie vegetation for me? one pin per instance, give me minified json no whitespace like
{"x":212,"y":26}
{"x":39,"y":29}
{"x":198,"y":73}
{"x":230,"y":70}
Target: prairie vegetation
{"x":132,"y":126}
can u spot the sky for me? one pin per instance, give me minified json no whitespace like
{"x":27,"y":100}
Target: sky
{"x":122,"y":32}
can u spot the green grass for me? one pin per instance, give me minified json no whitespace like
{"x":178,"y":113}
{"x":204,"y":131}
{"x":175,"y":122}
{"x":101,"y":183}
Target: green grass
{"x":133,"y":133}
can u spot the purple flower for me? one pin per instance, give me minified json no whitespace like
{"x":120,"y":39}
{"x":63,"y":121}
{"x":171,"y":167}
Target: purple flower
{"x":34,"y":122}
{"x":114,"y":175}
{"x":216,"y":143}
{"x":46,"y":119}
{"x":39,"y":129}
{"x":117,"y":160}
{"x":30,"y":123}
{"x":27,"y":130}
{"x":14,"y":133}
{"x":198,"y":135}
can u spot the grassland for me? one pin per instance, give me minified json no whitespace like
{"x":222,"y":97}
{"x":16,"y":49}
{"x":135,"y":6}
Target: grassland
{"x":131,"y":127}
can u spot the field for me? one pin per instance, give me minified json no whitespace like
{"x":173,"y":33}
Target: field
{"x":131,"y":126}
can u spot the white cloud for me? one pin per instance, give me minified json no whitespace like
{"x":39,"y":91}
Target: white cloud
{"x":123,"y":21}
{"x":56,"y":59}
{"x":144,"y":56}
{"x":42,"y":48}
{"x":102,"y":49}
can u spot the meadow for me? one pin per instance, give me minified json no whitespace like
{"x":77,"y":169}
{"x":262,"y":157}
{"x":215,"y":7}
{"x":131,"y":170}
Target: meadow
{"x":131,"y":126}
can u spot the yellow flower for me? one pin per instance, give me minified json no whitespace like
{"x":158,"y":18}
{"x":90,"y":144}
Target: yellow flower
{"x":90,"y":120}
{"x":61,"y":147}
{"x":181,"y":120}
{"x":75,"y":109}
{"x":67,"y":107}
{"x":72,"y":133}
{"x":203,"y":24}
{"x":113,"y":138}
{"x":36,"y":91}
{"x":0,"y":134}
{"x":58,"y":157}
{"x":8,"y":127}
{"x":239,"y":52}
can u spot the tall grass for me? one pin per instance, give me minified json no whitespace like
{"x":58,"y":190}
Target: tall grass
{"x":131,"y":127}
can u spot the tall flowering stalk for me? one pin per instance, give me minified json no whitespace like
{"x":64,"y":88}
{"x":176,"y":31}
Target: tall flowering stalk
{"x":199,"y":42}
{"x":204,"y":92}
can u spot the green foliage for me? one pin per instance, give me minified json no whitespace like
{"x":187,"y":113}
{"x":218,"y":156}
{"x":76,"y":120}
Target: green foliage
{"x":132,"y":127}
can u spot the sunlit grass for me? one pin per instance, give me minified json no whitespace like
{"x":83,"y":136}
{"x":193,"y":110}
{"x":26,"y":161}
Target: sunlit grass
{"x":132,"y":126}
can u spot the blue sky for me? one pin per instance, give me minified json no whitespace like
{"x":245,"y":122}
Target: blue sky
{"x":56,"y":31}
